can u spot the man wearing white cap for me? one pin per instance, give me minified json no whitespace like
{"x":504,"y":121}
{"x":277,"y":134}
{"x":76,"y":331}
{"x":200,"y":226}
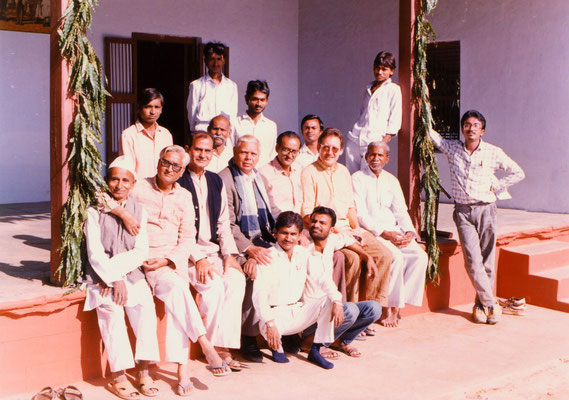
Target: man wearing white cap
{"x":116,"y":284}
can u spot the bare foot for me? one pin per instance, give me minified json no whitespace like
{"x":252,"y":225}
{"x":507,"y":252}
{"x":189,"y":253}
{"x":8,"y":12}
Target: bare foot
{"x":328,"y":354}
{"x":214,"y":361}
{"x":185,"y":386}
{"x":388,"y":318}
{"x":350,"y":350}
{"x":398,"y":312}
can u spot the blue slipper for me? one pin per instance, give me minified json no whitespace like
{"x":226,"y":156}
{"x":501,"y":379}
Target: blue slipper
{"x":223,"y":366}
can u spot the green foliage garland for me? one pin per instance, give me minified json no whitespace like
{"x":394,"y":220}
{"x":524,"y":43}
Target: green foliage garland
{"x":422,"y":143}
{"x":86,"y":88}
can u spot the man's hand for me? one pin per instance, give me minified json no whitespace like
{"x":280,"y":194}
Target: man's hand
{"x":204,"y":269}
{"x":273,"y":337}
{"x":337,"y":314}
{"x":393,"y":236}
{"x":250,"y":268}
{"x":153,"y":264}
{"x":407,"y":239}
{"x":303,"y":241}
{"x":262,"y":255}
{"x":372,"y":270}
{"x":230,"y":262}
{"x":105,"y":290}
{"x":120,"y":293}
{"x":128,"y":219}
{"x":387,"y":138}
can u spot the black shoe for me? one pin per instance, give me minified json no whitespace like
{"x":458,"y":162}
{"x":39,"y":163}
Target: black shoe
{"x":250,"y":350}
{"x":291,"y":344}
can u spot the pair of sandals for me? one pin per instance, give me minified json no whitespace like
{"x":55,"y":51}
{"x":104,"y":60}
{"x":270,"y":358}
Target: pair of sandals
{"x":125,"y":390}
{"x":67,"y":393}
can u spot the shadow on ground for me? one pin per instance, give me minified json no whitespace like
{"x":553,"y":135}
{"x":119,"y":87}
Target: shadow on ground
{"x":35,"y":241}
{"x":28,"y":270}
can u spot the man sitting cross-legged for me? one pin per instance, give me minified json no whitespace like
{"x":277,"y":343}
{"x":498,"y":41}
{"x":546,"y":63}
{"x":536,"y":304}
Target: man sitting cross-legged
{"x":214,"y":271}
{"x":117,"y":284}
{"x":278,"y":294}
{"x":382,"y":210}
{"x":172,"y":236}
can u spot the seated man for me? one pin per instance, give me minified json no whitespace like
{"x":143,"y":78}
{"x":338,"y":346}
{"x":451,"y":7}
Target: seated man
{"x":254,"y":122}
{"x":251,"y":225}
{"x":172,"y":236}
{"x":278,"y":290}
{"x":282,"y":176}
{"x":311,"y":127}
{"x":382,"y":210}
{"x":327,"y":183}
{"x":220,"y":128}
{"x":214,"y":272}
{"x":117,"y":284}
{"x":357,"y":316}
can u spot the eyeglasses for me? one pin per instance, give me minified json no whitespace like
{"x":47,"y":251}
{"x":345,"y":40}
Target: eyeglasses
{"x":175,"y":167}
{"x":286,"y":150}
{"x":475,"y":125}
{"x":327,"y":149}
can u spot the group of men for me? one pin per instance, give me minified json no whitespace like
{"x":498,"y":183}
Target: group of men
{"x":277,"y":238}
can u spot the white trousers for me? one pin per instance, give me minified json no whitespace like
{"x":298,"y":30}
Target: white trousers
{"x":142,"y":318}
{"x":297,"y":317}
{"x":408,"y":268}
{"x":183,"y":320}
{"x":220,"y":302}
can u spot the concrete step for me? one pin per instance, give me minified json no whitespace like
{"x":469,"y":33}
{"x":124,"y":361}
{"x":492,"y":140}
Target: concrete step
{"x":539,"y":256}
{"x":558,"y":275}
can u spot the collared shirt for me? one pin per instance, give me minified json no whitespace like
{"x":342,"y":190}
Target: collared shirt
{"x":208,"y":99}
{"x":329,"y":187}
{"x":319,"y":282}
{"x":171,"y":224}
{"x":284,"y":190}
{"x":472,"y":175}
{"x":265,"y":130}
{"x":218,"y":162}
{"x":205,"y":247}
{"x":143,"y":149}
{"x":305,"y":157}
{"x":380,"y":114}
{"x":380,"y":202}
{"x":281,"y":283}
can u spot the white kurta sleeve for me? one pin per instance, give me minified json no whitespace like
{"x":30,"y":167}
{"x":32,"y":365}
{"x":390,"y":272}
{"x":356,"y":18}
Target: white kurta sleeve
{"x":192,"y":105}
{"x":365,"y":218}
{"x":226,"y":241}
{"x":399,"y":208}
{"x":260,"y":296}
{"x":395,"y":113}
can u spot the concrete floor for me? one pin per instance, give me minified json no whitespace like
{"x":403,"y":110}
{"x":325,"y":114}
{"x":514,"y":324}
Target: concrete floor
{"x":430,"y":356}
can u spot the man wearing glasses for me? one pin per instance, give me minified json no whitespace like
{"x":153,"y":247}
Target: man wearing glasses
{"x":282,"y":175}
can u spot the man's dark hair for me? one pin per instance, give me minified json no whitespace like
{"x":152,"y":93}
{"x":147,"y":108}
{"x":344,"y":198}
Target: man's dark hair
{"x":257,"y":86}
{"x":476,"y":114}
{"x":214,"y":47}
{"x":287,"y":134}
{"x":384,"y":58}
{"x":289,"y":218}
{"x":198,"y":135}
{"x":331,"y":132}
{"x":312,"y":116}
{"x":326,"y":211}
{"x":149,"y":94}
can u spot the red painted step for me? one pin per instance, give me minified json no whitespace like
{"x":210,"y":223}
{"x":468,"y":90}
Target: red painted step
{"x":537,"y":256}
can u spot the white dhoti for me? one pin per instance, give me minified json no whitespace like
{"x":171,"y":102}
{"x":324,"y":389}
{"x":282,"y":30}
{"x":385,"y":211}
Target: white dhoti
{"x":220,"y":302}
{"x":291,"y":319}
{"x":407,"y":281}
{"x":183,"y":320}
{"x":142,"y":317}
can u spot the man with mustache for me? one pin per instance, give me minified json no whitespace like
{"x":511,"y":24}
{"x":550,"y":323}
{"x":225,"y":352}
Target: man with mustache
{"x":220,"y":129}
{"x":254,"y":123}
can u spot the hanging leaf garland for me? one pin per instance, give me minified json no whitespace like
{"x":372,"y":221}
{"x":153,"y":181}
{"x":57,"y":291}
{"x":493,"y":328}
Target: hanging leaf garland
{"x":422,"y":143}
{"x":86,"y":88}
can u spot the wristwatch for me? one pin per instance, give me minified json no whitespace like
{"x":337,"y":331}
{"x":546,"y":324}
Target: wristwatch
{"x":270,"y":324}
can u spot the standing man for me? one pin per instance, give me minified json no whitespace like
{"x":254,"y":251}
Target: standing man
{"x":252,"y":225}
{"x":220,"y":129}
{"x":282,"y":175}
{"x":311,"y":127}
{"x":254,"y":123}
{"x":475,"y":189}
{"x":117,"y":284}
{"x":382,"y":211}
{"x":214,"y":271}
{"x":212,"y":94}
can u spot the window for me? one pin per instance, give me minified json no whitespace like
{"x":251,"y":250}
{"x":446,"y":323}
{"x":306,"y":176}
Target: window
{"x":443,"y":66}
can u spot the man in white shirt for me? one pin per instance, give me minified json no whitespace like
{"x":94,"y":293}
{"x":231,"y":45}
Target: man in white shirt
{"x":282,"y":176}
{"x":382,"y":211}
{"x":220,"y":128}
{"x":117,"y":284}
{"x":212,"y":94}
{"x":254,"y":123}
{"x":213,"y":269}
{"x":311,"y":127}
{"x":278,"y":294}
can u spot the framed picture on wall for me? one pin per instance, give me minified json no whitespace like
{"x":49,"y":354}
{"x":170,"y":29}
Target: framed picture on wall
{"x":25,"y":15}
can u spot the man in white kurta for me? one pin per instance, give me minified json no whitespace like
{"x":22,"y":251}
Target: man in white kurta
{"x":214,"y":271}
{"x":212,"y":94}
{"x":117,"y":284}
{"x":278,"y":291}
{"x":220,"y":128}
{"x":382,"y":211}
